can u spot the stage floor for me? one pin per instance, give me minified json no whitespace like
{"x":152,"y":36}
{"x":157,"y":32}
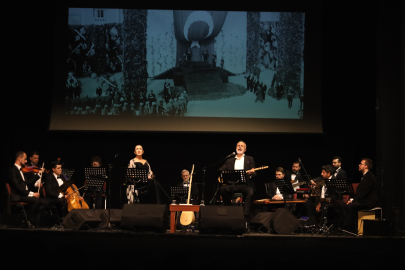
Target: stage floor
{"x":100,"y":248}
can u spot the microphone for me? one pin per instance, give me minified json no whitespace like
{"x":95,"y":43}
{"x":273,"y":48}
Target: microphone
{"x":231,"y":155}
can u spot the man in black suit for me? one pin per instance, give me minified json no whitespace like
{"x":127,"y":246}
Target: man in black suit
{"x":52,"y":183}
{"x":240,"y":162}
{"x":315,"y":209}
{"x":337,"y":166}
{"x":185,"y":174}
{"x":295,"y":176}
{"x":273,"y":192}
{"x":20,"y":192}
{"x":366,"y":194}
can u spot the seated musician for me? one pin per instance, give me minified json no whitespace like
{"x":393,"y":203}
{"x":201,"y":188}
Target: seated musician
{"x":20,"y":192}
{"x":366,"y":195}
{"x":240,"y":162}
{"x":295,"y":176}
{"x":52,"y":183}
{"x":150,"y":193}
{"x":95,"y":197}
{"x":185,"y":174}
{"x":315,"y":209}
{"x":273,"y":192}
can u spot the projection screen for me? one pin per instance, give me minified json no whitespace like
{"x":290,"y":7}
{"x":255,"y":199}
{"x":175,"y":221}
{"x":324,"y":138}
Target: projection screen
{"x":188,"y":70}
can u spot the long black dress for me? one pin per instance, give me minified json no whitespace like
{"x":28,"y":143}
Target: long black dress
{"x":152,"y":193}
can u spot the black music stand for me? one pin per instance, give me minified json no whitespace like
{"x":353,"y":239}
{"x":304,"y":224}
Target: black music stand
{"x":179,"y":192}
{"x":285,"y":187}
{"x":340,"y":186}
{"x":231,"y":177}
{"x":68,"y":173}
{"x":95,"y":178}
{"x":136,"y":177}
{"x":234,"y":177}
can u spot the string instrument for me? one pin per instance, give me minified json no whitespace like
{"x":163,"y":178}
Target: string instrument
{"x":316,"y":186}
{"x":74,"y":200}
{"x":256,"y":169}
{"x":33,"y":169}
{"x":188,"y":217}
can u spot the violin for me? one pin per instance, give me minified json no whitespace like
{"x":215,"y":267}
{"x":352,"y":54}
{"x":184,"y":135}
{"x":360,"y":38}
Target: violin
{"x":74,"y":200}
{"x":33,"y":169}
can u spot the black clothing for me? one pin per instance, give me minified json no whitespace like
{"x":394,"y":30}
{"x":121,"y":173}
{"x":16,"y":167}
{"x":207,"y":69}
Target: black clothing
{"x":227,"y":191}
{"x":19,"y":193}
{"x":298,"y":178}
{"x":366,"y":198}
{"x":341,"y":174}
{"x":52,"y":193}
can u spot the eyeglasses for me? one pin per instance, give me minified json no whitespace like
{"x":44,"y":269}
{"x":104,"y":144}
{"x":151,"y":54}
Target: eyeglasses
{"x":362,"y":164}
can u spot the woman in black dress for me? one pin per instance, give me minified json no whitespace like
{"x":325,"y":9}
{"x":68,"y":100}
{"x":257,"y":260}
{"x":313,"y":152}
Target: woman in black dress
{"x":152,"y":192}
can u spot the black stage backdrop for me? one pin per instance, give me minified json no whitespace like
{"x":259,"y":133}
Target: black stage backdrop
{"x":349,"y":95}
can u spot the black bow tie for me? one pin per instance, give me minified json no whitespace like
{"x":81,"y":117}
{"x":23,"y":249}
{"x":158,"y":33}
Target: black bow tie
{"x":58,"y":177}
{"x":296,"y":173}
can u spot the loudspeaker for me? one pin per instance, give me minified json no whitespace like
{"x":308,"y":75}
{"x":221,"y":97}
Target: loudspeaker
{"x":284,"y":222}
{"x":215,"y":218}
{"x":115,"y":217}
{"x":261,"y":220}
{"x":80,"y":219}
{"x":149,"y":217}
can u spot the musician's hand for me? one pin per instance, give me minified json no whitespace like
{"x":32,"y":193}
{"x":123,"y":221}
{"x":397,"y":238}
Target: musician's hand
{"x":251,"y":171}
{"x":66,"y":196}
{"x":277,"y":197}
{"x":36,"y":195}
{"x":306,"y":196}
{"x":318,"y":208}
{"x":348,"y":202}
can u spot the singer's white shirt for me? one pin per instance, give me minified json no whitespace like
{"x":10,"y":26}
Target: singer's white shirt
{"x":239,"y":162}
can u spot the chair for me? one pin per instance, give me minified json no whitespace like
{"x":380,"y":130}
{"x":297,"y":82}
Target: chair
{"x":375,"y":213}
{"x":17,"y":204}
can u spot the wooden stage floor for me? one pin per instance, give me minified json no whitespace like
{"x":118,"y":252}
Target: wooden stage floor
{"x":100,"y":248}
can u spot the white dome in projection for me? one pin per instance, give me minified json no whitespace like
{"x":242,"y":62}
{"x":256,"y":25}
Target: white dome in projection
{"x":197,"y":16}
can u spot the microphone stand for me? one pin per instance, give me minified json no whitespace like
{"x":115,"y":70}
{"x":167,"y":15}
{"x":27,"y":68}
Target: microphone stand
{"x":204,"y":169}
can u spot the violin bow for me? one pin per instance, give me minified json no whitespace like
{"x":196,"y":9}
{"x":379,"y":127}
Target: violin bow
{"x":40,"y":178}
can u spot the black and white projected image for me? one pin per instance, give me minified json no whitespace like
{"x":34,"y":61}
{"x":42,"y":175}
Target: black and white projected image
{"x":180,"y":63}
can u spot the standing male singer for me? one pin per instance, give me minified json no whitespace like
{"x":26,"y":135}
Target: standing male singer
{"x":240,"y":162}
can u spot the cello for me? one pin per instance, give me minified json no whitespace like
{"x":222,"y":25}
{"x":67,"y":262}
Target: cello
{"x":73,"y":198}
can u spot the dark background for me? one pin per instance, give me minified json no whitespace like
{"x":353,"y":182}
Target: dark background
{"x":362,"y":69}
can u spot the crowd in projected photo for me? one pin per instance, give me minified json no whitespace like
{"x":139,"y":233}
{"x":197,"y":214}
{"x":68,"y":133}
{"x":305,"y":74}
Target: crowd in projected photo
{"x":185,"y":63}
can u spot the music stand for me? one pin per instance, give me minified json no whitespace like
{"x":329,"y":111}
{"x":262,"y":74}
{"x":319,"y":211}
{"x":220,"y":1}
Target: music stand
{"x":95,"y":178}
{"x":68,"y":172}
{"x":179,"y":192}
{"x":340,"y":186}
{"x":234,"y":177}
{"x":285,"y":187}
{"x":136,"y":177}
{"x":63,"y":188}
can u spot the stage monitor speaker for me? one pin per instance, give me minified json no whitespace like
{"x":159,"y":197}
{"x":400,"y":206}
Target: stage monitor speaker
{"x":145,"y":217}
{"x":115,"y":217}
{"x":284,"y":222}
{"x":215,"y":218}
{"x":261,"y":222}
{"x":82,"y":219}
